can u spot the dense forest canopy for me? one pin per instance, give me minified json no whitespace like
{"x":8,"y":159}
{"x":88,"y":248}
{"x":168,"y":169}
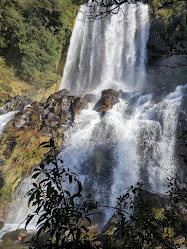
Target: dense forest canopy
{"x":33,"y":35}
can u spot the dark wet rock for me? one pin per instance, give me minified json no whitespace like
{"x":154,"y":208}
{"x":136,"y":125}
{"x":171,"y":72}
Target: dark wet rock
{"x":90,"y":98}
{"x":108,"y":99}
{"x":110,"y":92}
{"x":155,"y":200}
{"x":13,"y":236}
{"x":1,"y":224}
{"x":17,"y":103}
{"x":27,"y":238}
{"x":161,"y":201}
{"x":41,"y":240}
{"x":4,"y":99}
{"x":181,"y":140}
{"x":59,"y":94}
{"x":159,"y":94}
{"x":78,"y":105}
{"x":110,"y":226}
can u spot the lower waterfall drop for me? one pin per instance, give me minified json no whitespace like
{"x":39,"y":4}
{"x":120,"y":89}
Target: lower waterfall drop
{"x":135,"y":140}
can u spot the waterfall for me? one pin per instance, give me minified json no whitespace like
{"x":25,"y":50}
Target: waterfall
{"x":113,"y":152}
{"x":107,"y":54}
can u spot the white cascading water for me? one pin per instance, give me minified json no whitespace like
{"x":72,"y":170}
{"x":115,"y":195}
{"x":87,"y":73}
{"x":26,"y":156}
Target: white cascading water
{"x":113,"y":152}
{"x":4,"y":119}
{"x":103,"y":54}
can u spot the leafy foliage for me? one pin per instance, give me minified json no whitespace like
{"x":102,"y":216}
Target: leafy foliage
{"x":59,"y":209}
{"x":60,"y":206}
{"x":33,"y":34}
{"x":144,"y":228}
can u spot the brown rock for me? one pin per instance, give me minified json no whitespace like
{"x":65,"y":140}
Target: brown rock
{"x":20,"y":236}
{"x":13,"y":236}
{"x":110,"y":92}
{"x":1,"y":224}
{"x":89,"y":97}
{"x":108,"y":99}
{"x":78,"y":105}
{"x":27,"y":238}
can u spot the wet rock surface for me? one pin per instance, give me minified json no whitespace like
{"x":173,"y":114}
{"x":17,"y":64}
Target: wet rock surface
{"x":17,"y":103}
{"x":78,"y":104}
{"x":181,"y":140}
{"x":108,"y":99}
{"x":1,"y":224}
{"x":14,"y":235}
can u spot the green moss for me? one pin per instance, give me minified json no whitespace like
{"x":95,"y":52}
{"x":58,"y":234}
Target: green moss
{"x":20,"y":162}
{"x":63,"y":120}
{"x":38,"y":33}
{"x":34,"y":117}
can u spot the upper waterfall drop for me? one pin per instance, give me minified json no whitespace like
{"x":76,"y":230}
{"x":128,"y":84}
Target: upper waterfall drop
{"x":107,"y":54}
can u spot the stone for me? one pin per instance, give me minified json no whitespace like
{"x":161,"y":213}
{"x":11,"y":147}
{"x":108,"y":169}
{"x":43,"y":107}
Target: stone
{"x":108,"y":99}
{"x":17,"y":103}
{"x":90,"y":97}
{"x":13,"y":236}
{"x":93,"y":227}
{"x":60,"y":94}
{"x":110,"y":226}
{"x":78,"y":105}
{"x":1,"y":224}
{"x":110,"y":92}
{"x":27,"y":238}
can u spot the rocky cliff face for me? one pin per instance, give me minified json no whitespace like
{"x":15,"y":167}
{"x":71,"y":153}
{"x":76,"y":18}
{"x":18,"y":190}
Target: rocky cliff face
{"x":33,"y":123}
{"x":166,"y":47}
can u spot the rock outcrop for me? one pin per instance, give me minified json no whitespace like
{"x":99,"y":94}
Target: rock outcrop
{"x":33,"y":124}
{"x":108,"y":99}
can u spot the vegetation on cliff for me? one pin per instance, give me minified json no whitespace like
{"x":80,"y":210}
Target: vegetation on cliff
{"x":142,"y":219}
{"x":34,"y":35}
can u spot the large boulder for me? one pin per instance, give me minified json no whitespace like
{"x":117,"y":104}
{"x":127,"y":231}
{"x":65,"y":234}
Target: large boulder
{"x":108,"y":99}
{"x":162,"y":202}
{"x":90,"y":97}
{"x":1,"y":224}
{"x":78,"y":105}
{"x":13,"y":236}
{"x":181,"y":140}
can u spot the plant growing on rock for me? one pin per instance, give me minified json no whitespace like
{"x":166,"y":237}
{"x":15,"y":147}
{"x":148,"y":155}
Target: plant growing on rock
{"x":143,"y":227}
{"x":60,"y":210}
